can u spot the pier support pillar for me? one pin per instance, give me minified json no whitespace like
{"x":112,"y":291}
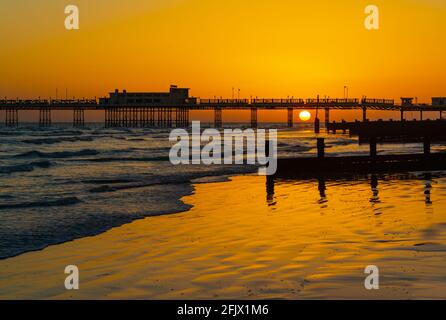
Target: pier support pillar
{"x":320,"y":148}
{"x":160,"y":118}
{"x":290,"y":117}
{"x":135,"y":120}
{"x":402,"y":115}
{"x":124,"y":120}
{"x":106,"y":120}
{"x":421,"y":115}
{"x":152,"y":117}
{"x":253,"y":117}
{"x":165,"y":117}
{"x":373,"y":149}
{"x":327,"y":118}
{"x":182,"y":117}
{"x":117,"y":117}
{"x":317,"y":125}
{"x":45,"y":117}
{"x":218,"y":117}
{"x":364,"y":114}
{"x":427,"y":146}
{"x":169,"y":112}
{"x":12,"y":117}
{"x":78,"y":118}
{"x":110,"y":117}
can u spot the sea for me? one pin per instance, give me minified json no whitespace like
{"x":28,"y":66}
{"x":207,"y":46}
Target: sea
{"x":62,"y":183}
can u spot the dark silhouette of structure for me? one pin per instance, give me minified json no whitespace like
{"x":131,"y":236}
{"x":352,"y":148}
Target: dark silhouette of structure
{"x":170,"y":109}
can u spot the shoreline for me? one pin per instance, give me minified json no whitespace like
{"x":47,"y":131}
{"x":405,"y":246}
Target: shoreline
{"x":191,"y":183}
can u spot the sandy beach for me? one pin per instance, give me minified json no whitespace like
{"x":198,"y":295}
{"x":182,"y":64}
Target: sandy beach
{"x":240,"y":242}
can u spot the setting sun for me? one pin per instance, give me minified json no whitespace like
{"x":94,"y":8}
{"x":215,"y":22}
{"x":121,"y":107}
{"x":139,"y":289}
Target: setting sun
{"x":304,"y":115}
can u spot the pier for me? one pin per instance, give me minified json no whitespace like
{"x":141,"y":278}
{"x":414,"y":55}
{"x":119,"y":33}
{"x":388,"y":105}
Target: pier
{"x":172,"y":109}
{"x":173,"y":115}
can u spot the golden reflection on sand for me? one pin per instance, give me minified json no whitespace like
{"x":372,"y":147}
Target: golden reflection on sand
{"x":244,"y":239}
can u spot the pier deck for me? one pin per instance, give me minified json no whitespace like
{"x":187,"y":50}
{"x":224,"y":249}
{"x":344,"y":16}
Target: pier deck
{"x":177,"y":114}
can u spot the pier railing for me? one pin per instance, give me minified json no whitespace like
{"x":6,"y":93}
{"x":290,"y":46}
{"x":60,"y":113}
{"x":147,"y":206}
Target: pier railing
{"x":387,"y":102}
{"x":19,"y":103}
{"x":327,"y":101}
{"x":278,"y":101}
{"x":224,"y":101}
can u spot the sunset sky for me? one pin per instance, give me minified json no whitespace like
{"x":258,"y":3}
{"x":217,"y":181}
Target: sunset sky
{"x":266,"y":48}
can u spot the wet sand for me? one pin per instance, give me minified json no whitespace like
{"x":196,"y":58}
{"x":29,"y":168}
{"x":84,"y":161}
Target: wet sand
{"x":239,"y":242}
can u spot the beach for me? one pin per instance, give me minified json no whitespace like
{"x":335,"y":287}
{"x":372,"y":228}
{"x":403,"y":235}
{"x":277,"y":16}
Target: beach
{"x":242,"y":239}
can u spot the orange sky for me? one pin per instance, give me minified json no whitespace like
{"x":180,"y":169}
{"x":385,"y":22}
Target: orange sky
{"x":266,"y":48}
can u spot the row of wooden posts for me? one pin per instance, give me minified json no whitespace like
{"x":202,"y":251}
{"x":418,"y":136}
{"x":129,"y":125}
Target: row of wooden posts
{"x":373,"y":147}
{"x":136,"y":117}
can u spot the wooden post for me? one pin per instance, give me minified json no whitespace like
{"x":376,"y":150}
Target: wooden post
{"x":290,"y":117}
{"x":427,"y":146}
{"x":267,"y":148}
{"x":327,"y":118}
{"x":253,"y":117}
{"x":317,"y":125}
{"x":364,"y":114}
{"x":320,"y":148}
{"x":373,"y":151}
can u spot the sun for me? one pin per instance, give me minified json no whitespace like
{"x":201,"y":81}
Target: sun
{"x":304,"y":115}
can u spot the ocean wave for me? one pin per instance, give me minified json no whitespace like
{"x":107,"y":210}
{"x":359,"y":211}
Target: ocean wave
{"x":135,"y":185}
{"x":294,"y":147}
{"x":342,"y":142}
{"x":105,"y":181}
{"x":57,"y":155}
{"x":43,"y":203}
{"x":187,"y":178}
{"x":26,"y":167}
{"x":128,"y":159}
{"x":40,"y":141}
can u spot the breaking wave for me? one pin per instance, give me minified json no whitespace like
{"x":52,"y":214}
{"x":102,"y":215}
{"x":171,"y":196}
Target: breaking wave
{"x":26,"y":167}
{"x":43,"y":203}
{"x":57,"y":154}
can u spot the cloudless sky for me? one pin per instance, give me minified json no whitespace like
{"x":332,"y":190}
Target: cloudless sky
{"x":266,"y":48}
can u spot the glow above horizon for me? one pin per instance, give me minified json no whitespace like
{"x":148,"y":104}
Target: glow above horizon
{"x":270,"y":49}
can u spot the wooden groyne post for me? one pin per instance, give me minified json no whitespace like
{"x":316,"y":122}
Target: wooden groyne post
{"x":320,"y":148}
{"x":317,"y":125}
{"x":373,"y":149}
{"x":427,"y":145}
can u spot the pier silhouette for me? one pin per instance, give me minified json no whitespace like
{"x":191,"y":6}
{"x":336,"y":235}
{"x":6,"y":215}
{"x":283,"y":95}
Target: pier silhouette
{"x":171,"y":109}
